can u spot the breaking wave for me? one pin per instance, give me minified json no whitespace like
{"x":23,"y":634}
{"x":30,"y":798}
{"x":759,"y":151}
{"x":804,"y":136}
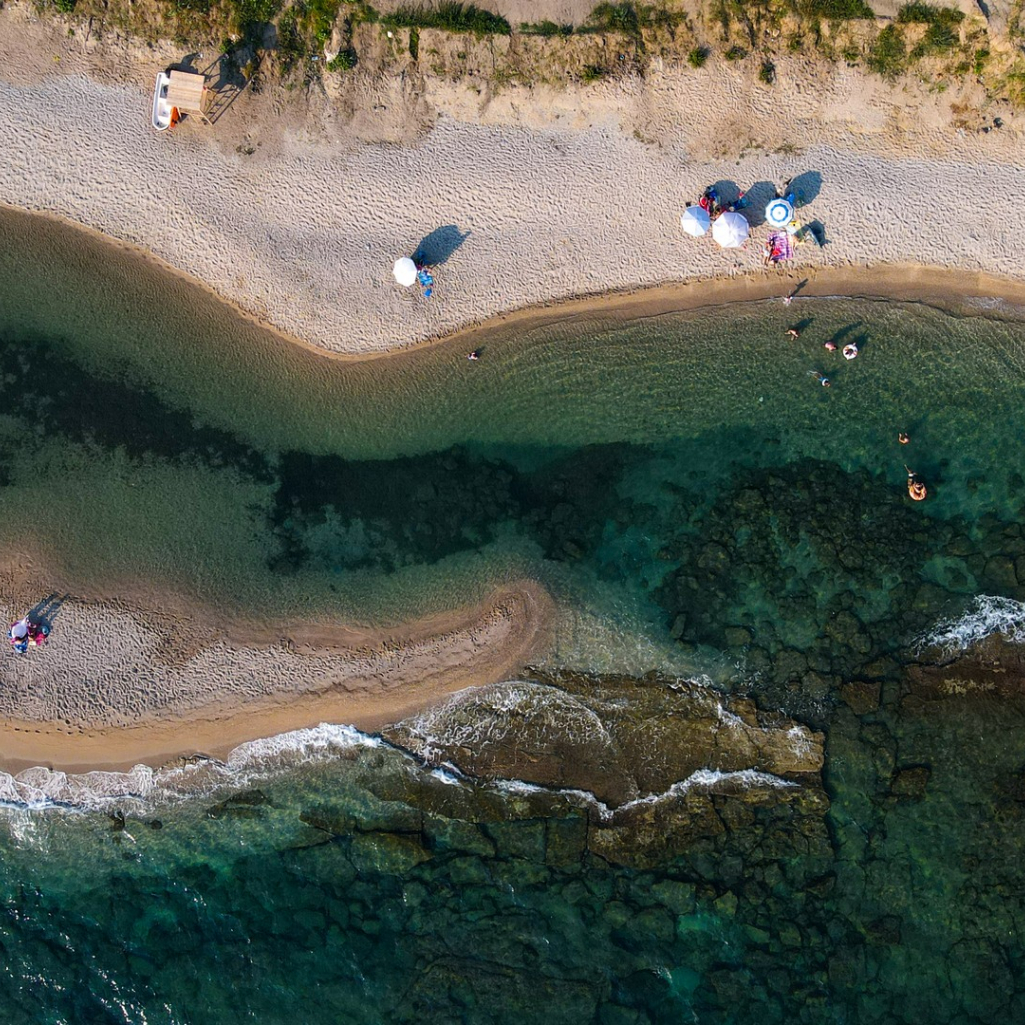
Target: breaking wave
{"x":985,"y":616}
{"x":247,"y":765}
{"x":707,"y":780}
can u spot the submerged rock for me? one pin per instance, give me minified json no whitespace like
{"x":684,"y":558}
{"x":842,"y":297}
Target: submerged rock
{"x":910,"y":783}
{"x":386,"y":853}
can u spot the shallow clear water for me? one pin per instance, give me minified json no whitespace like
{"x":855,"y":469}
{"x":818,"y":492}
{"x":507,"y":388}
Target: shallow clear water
{"x":694,"y":500}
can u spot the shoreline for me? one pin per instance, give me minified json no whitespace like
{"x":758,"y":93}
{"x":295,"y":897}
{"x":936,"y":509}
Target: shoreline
{"x":943,"y":288}
{"x":547,"y":221}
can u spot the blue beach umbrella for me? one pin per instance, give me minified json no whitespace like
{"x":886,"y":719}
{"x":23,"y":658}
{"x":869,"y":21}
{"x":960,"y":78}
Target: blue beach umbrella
{"x":779,"y":213}
{"x":695,"y":221}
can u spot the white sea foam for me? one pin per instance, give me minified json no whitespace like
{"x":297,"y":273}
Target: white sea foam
{"x":249,"y":763}
{"x":985,"y":616}
{"x":702,"y":779}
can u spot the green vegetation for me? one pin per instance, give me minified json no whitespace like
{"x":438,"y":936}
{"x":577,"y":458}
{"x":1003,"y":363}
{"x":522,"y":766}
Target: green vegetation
{"x":621,"y":17}
{"x":888,"y":54}
{"x":451,"y":17}
{"x":344,"y":60}
{"x":943,"y":32}
{"x":547,"y":29}
{"x":836,"y":10}
{"x":636,"y":31}
{"x":250,"y":17}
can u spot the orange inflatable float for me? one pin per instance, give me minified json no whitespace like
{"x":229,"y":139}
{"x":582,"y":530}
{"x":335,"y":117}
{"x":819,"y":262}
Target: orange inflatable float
{"x":916,"y":488}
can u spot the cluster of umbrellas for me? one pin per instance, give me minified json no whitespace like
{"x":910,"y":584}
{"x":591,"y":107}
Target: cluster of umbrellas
{"x":730,"y":229}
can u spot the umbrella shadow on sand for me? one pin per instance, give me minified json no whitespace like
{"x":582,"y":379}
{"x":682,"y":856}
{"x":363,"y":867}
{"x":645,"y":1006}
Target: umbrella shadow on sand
{"x":434,"y":249}
{"x":729,"y":192}
{"x":806,"y":187}
{"x":758,"y":197}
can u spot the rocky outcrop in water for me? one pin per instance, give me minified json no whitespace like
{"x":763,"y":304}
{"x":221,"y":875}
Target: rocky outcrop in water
{"x":618,"y":738}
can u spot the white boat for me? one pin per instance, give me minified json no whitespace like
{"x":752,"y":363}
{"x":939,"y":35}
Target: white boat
{"x":162,"y":110}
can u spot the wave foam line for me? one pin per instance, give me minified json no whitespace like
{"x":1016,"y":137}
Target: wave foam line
{"x":40,"y":788}
{"x":705,"y":779}
{"x":986,"y":615}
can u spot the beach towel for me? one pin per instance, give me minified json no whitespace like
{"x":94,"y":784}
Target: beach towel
{"x":781,"y":247}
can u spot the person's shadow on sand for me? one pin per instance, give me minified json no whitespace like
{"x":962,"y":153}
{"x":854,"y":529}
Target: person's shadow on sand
{"x":434,"y":249}
{"x":45,"y":611}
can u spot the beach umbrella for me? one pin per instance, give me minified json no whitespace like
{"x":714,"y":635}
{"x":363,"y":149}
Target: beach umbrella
{"x":730,"y":230}
{"x":405,"y":271}
{"x":695,"y":221}
{"x":779,"y":213}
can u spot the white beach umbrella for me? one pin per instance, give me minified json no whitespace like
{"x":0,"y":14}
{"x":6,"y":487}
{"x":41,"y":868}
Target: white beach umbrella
{"x":695,"y":221}
{"x":405,"y":271}
{"x":779,"y":213}
{"x":730,"y":230}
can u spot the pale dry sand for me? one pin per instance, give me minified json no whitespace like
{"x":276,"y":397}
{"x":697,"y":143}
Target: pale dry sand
{"x":295,"y":208}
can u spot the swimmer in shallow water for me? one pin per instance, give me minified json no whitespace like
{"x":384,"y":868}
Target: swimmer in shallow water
{"x":903,"y":438}
{"x":792,"y":332}
{"x":475,"y":355}
{"x":820,"y":377}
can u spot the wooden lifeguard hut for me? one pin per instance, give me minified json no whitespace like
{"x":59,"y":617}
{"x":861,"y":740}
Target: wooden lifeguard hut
{"x":177,"y":93}
{"x":188,"y":92}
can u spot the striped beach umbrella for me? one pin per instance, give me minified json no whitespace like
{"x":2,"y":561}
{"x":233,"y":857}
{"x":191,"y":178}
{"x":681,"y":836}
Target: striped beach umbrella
{"x":779,"y":213}
{"x":695,"y":221}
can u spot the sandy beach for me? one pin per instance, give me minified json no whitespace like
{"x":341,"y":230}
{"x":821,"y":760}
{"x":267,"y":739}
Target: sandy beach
{"x":182,"y":683}
{"x":294,"y":213}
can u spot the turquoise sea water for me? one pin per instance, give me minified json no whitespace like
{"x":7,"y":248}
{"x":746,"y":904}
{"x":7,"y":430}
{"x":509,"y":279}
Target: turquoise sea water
{"x":695,"y":501}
